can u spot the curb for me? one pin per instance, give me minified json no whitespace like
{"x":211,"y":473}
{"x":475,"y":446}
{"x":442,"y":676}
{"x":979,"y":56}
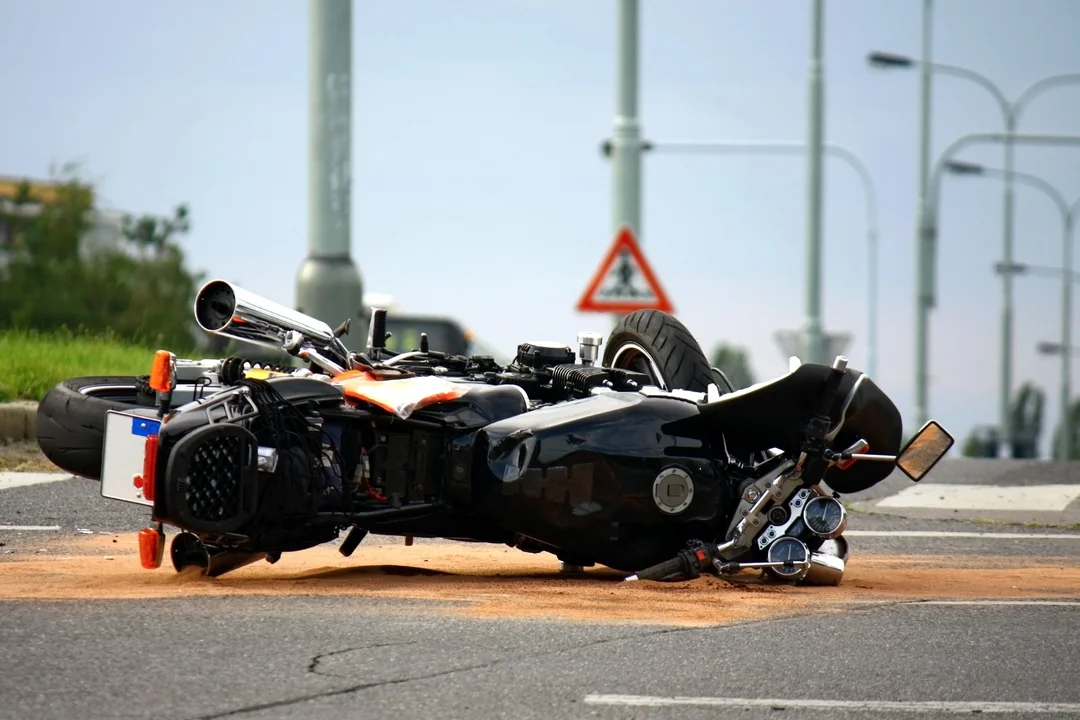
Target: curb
{"x":18,"y":421}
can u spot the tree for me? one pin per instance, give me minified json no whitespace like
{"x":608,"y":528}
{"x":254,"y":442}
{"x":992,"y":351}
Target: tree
{"x":1026,"y":414}
{"x":1074,"y":416}
{"x":982,"y":442}
{"x":735,"y":364}
{"x":141,"y":290}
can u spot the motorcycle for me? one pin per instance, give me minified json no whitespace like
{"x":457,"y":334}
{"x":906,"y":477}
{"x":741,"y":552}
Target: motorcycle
{"x":645,"y":460}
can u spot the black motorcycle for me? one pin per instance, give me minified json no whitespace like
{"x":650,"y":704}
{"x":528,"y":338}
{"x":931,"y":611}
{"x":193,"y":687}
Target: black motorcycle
{"x":645,"y":460}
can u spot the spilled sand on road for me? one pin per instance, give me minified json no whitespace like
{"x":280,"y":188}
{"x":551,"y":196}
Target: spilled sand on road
{"x":495,"y":581}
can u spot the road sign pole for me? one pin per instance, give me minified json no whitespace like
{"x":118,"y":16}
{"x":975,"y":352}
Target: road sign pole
{"x":626,"y":133}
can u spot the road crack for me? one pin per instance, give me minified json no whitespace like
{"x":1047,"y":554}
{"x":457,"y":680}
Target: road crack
{"x":313,"y":666}
{"x":427,"y":676}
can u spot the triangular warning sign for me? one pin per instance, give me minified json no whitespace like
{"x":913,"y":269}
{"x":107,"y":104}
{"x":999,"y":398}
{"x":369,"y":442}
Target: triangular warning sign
{"x":624,"y":282}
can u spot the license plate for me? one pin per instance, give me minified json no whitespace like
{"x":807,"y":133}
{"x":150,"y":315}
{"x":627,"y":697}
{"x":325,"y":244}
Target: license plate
{"x":122,"y":456}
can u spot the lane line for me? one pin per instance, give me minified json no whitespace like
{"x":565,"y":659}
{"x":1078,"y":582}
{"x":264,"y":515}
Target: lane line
{"x":1056,"y":603}
{"x":9,"y":479}
{"x":960,"y":534}
{"x":21,"y":528}
{"x":864,"y":705}
{"x":984,"y":497}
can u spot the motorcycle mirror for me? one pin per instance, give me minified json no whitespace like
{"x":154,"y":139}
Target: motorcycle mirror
{"x":924,"y":450}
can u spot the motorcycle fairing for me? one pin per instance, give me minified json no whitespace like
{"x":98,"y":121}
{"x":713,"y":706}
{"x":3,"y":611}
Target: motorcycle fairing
{"x":774,"y":414}
{"x":400,"y":396}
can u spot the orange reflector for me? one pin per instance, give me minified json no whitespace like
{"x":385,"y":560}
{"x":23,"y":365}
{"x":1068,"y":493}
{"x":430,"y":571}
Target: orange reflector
{"x":149,"y":467}
{"x":163,"y":372}
{"x":151,"y":548}
{"x":862,"y":448}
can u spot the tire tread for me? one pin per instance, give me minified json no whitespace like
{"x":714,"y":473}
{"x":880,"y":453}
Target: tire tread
{"x":680,"y":357}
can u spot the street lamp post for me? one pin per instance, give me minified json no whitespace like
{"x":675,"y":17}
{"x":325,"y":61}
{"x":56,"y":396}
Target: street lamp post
{"x":797,"y":148}
{"x":1011,"y":113}
{"x":1068,"y":276}
{"x":928,"y":234}
{"x":815,"y":340}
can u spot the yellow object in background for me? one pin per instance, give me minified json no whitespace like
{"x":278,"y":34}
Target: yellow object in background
{"x":261,"y":374}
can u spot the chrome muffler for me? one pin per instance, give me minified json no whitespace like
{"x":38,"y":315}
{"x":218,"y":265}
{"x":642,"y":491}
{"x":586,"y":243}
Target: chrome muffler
{"x":223,"y":309}
{"x":827,"y":565}
{"x":188,"y":551}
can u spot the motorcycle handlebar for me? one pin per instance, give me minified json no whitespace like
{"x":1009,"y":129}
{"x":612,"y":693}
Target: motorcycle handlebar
{"x":661,"y":570}
{"x":687,"y":562}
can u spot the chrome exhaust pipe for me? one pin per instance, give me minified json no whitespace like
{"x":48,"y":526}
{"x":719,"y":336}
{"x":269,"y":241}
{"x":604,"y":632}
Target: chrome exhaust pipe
{"x":827,"y":565}
{"x":223,"y":309}
{"x":188,"y":551}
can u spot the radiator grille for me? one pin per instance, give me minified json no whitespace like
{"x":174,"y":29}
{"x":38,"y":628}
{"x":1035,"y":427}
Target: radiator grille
{"x":212,"y":485}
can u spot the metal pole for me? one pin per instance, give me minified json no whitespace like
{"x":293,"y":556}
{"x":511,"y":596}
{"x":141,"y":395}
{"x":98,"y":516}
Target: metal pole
{"x":328,"y":285}
{"x":1066,"y":339}
{"x":799,"y":148}
{"x":625,"y":145}
{"x":814,"y":338}
{"x":1005,"y":447}
{"x":871,"y":330}
{"x":626,"y":135}
{"x":924,"y":237}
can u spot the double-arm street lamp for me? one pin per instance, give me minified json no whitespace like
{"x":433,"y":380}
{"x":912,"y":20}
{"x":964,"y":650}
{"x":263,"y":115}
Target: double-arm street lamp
{"x":1011,"y":112}
{"x":926,"y":255}
{"x":1065,"y":272}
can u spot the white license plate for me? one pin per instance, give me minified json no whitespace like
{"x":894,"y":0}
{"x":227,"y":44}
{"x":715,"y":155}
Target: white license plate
{"x":122,"y":456}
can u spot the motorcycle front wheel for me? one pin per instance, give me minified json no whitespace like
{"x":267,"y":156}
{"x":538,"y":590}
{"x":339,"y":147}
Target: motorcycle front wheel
{"x":657,"y":344}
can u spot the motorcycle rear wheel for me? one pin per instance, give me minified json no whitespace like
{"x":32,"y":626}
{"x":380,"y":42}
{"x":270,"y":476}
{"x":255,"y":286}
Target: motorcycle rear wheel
{"x":71,"y":419}
{"x":656,"y":343}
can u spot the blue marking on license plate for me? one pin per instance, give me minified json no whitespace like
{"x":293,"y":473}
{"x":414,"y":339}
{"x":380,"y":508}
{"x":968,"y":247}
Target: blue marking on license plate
{"x":144,"y":426}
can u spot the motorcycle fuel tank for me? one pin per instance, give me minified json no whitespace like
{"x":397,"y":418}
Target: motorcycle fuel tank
{"x":601,"y":478}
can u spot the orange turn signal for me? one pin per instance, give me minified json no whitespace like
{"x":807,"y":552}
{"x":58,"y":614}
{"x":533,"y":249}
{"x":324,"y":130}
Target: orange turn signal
{"x":151,"y":548}
{"x":163,"y":372}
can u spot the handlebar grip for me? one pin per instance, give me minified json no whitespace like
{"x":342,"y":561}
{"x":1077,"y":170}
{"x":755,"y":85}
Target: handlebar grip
{"x":662,"y":570}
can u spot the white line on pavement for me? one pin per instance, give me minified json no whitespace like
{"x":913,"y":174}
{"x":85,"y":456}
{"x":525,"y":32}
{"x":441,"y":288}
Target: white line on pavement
{"x":984,"y":497}
{"x":959,"y":534}
{"x":21,"y":528}
{"x":1056,"y":603}
{"x":10,"y":480}
{"x":864,"y":705}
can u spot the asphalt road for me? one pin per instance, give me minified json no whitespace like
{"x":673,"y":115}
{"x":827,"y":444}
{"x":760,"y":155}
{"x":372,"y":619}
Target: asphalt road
{"x":326,"y":658}
{"x":333,"y":657}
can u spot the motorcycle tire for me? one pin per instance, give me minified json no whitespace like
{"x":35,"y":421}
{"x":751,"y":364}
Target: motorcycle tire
{"x":71,"y":419}
{"x":656,"y":343}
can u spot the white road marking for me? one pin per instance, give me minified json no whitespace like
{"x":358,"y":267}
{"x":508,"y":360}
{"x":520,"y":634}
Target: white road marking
{"x":864,"y":705}
{"x":1056,"y":603}
{"x":10,"y":480}
{"x":960,"y":534}
{"x":21,"y":528}
{"x":984,"y":497}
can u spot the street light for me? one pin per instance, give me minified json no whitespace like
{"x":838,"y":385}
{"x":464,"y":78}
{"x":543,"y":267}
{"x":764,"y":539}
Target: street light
{"x":1019,"y":268}
{"x":1008,"y":267}
{"x":1054,"y":348}
{"x":925,"y":299}
{"x":799,"y":148}
{"x":1011,"y":111}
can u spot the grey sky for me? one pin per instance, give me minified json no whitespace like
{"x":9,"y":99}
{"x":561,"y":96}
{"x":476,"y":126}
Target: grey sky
{"x":476,"y":133}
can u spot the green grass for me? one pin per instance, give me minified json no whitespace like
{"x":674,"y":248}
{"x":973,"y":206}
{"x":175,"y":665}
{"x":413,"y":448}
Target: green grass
{"x":32,"y":363}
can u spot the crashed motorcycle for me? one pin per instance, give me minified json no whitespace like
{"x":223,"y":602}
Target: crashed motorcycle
{"x":645,"y":459}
